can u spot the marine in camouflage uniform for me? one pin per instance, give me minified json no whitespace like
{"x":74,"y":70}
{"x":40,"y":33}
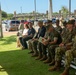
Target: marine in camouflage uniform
{"x":50,"y":43}
{"x":55,"y":40}
{"x":64,"y":46}
{"x":58,"y":28}
{"x":42,"y":50}
{"x":69,"y":56}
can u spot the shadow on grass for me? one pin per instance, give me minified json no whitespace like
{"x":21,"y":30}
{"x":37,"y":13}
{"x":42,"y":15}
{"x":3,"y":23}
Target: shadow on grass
{"x":8,"y":40}
{"x":21,"y":63}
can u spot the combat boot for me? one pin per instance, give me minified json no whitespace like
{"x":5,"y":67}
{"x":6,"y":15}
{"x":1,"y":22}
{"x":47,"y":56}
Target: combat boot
{"x":39,"y":56}
{"x":52,"y":63}
{"x":35,"y":54}
{"x":55,"y":67}
{"x":48,"y":60}
{"x":30,"y":52}
{"x":43,"y":58}
{"x":65,"y":72}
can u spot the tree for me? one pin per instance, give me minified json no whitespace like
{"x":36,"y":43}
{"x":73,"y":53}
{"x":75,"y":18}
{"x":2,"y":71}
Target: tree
{"x":10,"y":16}
{"x":64,"y":11}
{"x":4,"y":14}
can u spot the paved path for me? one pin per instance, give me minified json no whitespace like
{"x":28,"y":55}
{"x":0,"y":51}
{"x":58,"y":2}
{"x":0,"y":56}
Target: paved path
{"x":9,"y":33}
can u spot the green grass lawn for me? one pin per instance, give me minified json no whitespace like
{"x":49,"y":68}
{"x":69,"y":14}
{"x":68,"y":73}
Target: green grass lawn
{"x":14,"y":61}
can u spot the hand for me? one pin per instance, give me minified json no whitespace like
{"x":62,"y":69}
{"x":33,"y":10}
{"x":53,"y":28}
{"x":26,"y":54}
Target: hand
{"x":35,"y":39}
{"x":45,"y":42}
{"x":43,"y":39}
{"x":23,"y":36}
{"x":61,"y":45}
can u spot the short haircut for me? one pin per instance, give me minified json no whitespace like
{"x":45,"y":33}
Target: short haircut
{"x":57,"y":20}
{"x":40,"y":21}
{"x":50,"y":26}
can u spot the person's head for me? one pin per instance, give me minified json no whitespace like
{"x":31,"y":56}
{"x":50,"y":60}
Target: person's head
{"x":49,"y":22}
{"x":30,"y":24}
{"x":73,"y":21}
{"x":26,"y":26}
{"x":50,"y":28}
{"x":70,"y":24}
{"x":57,"y":22}
{"x":40,"y":23}
{"x":64,"y":23}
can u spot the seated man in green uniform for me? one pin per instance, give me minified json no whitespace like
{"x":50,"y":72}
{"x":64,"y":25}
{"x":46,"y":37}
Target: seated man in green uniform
{"x":64,"y":46}
{"x":69,"y":56}
{"x":51,"y":42}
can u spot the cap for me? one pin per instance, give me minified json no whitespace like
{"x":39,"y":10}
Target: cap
{"x":64,"y":23}
{"x":70,"y":22}
{"x":49,"y":21}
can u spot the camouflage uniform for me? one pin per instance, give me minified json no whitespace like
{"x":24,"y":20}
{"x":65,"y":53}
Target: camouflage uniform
{"x":70,"y":54}
{"x":30,"y":44}
{"x":51,"y":48}
{"x":64,"y":31}
{"x":59,"y":29}
{"x":66,"y":40}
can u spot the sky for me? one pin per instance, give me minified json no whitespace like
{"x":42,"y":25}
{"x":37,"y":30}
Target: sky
{"x":10,"y":6}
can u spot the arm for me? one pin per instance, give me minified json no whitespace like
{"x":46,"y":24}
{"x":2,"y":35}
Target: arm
{"x":55,"y":41}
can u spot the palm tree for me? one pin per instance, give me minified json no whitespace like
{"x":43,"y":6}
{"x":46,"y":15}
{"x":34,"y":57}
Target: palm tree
{"x":1,"y":32}
{"x":64,"y":11}
{"x":50,"y":9}
{"x":69,"y":8}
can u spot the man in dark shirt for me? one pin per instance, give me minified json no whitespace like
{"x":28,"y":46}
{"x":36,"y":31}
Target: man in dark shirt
{"x":25,"y":38}
{"x":34,"y":41}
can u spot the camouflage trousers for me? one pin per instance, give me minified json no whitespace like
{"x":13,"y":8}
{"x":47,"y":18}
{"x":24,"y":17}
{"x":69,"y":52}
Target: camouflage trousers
{"x":33,"y":45}
{"x":30,"y":47}
{"x":51,"y":51}
{"x":69,"y":56}
{"x":59,"y":52}
{"x":38,"y":46}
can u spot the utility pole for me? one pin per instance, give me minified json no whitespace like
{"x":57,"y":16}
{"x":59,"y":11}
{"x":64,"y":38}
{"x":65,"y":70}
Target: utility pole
{"x":69,"y":8}
{"x":50,"y":10}
{"x":21,"y":10}
{"x":1,"y":31}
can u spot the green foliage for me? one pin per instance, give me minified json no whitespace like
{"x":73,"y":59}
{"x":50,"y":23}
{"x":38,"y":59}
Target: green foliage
{"x":4,"y":14}
{"x":64,"y":11}
{"x":10,"y":16}
{"x":55,"y":13}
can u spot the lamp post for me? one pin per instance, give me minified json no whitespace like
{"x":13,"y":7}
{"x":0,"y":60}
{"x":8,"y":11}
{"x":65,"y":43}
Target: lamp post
{"x":50,"y":10}
{"x":1,"y":31}
{"x":69,"y":8}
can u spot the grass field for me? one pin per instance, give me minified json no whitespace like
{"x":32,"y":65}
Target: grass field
{"x":14,"y":61}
